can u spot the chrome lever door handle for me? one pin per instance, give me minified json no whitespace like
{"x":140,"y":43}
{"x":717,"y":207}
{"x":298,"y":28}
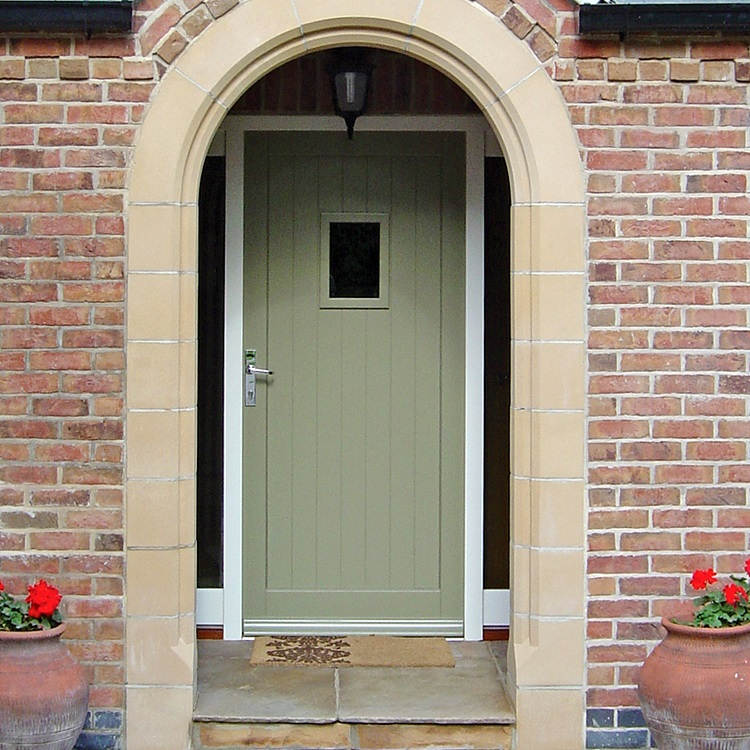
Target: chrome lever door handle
{"x":252,"y":370}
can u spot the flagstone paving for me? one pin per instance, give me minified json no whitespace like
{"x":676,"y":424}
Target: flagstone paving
{"x":262,"y":706}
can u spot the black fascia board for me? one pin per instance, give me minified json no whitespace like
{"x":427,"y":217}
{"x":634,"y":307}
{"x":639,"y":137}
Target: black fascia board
{"x":732,"y":18}
{"x":79,"y":16}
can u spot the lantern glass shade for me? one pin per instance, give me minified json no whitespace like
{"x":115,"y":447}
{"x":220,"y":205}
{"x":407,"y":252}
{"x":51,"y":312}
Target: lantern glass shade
{"x":351,"y":90}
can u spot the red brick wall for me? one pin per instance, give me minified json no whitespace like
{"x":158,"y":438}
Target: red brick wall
{"x":69,"y":110}
{"x":662,"y":125}
{"x":663,"y":131}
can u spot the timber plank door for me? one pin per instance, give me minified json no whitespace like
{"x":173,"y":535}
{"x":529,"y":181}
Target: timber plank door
{"x":353,"y":456}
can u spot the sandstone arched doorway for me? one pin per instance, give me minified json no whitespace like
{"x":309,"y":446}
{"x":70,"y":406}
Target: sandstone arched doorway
{"x":530,"y":120}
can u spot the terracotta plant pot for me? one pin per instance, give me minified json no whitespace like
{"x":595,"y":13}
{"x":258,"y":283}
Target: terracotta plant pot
{"x":44,"y":694}
{"x":694,"y":688}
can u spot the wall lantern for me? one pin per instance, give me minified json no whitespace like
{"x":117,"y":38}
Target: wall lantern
{"x":351,"y":79}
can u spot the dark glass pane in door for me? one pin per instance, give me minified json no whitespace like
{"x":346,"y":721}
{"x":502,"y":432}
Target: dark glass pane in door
{"x":354,"y":259}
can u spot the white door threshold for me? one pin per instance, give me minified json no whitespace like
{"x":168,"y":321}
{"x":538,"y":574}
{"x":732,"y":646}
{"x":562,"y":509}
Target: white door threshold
{"x":353,"y":627}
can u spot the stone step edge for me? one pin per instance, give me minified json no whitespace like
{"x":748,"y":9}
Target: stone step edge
{"x":348,"y":736}
{"x":491,"y":721}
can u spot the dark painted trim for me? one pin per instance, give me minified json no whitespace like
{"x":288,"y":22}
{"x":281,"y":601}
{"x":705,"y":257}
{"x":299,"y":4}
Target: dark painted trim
{"x":496,"y":633}
{"x":67,"y":15}
{"x":209,"y":633}
{"x":733,"y":18}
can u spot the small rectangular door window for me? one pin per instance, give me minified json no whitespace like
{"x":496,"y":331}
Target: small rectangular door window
{"x":354,"y":260}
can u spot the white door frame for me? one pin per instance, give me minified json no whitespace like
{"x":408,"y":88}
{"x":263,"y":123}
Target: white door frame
{"x":477,"y":134}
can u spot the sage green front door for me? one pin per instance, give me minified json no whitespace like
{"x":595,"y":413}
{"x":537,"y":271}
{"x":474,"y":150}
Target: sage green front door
{"x":353,"y":454}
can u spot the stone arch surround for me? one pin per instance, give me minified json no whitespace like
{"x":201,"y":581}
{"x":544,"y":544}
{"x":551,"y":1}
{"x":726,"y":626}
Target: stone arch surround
{"x":529,"y":117}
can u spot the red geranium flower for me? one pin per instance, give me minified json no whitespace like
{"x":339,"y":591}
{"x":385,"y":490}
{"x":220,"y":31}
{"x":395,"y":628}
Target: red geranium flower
{"x":701,"y":578}
{"x":733,"y":593}
{"x":43,"y":599}
{"x":747,"y":566}
{"x":2,"y":588}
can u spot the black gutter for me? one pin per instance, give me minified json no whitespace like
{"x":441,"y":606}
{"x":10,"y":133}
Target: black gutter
{"x":79,"y":16}
{"x":732,"y":18}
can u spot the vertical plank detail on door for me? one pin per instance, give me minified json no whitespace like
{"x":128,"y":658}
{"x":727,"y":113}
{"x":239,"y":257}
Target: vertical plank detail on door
{"x":304,"y":357}
{"x":291,"y":570}
{"x":353,"y":396}
{"x":403,"y":375}
{"x":428,"y":376}
{"x":329,"y":415}
{"x":378,"y":403}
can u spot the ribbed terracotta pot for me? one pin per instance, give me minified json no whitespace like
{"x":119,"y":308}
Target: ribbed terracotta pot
{"x":44,"y":694}
{"x":694,"y":688}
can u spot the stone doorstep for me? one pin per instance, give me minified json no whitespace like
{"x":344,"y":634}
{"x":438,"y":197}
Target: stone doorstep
{"x":372,"y":708}
{"x":340,"y":736}
{"x":469,"y":693}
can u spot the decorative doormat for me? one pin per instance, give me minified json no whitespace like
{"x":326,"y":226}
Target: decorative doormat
{"x":352,"y":651}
